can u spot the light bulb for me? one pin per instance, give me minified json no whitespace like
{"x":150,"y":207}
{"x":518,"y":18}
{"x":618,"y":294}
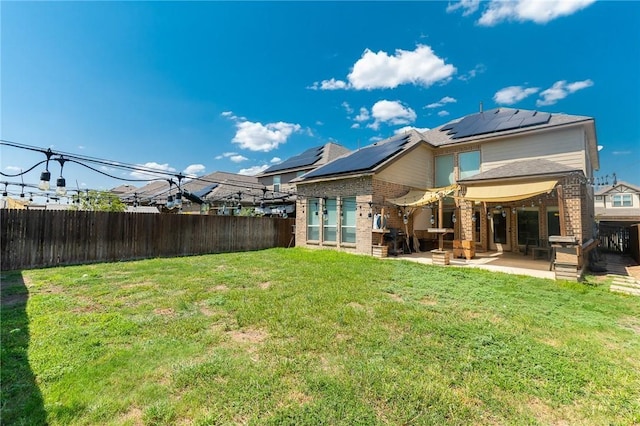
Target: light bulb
{"x":61,"y":186}
{"x":45,"y":177}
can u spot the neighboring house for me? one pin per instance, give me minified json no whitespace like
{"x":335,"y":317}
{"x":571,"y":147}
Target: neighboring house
{"x":154,"y":193}
{"x":280,"y":192}
{"x":505,"y":179}
{"x":215,"y":193}
{"x":619,"y":204}
{"x":617,"y":208}
{"x":224,"y":192}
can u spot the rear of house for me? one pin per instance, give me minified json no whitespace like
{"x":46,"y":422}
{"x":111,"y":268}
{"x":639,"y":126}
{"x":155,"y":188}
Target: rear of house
{"x":504,"y":179}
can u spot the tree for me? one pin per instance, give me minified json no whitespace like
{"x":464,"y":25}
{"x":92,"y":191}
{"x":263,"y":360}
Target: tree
{"x":99,"y":201}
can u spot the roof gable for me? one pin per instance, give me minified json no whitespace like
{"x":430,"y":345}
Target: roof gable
{"x":619,"y":188}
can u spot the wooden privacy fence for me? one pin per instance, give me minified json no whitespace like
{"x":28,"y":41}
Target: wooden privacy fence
{"x":40,"y":238}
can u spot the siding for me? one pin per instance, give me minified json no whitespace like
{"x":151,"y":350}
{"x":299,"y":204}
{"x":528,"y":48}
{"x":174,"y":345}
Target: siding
{"x":414,"y":169}
{"x":565,"y":147}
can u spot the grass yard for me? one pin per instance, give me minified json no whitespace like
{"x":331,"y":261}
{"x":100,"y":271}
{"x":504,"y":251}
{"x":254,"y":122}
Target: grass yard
{"x":313,"y":337}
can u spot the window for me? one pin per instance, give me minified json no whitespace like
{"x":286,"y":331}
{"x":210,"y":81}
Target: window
{"x":469,"y":163}
{"x":528,"y":227}
{"x":313,"y":220}
{"x":276,"y":183}
{"x":348,"y":231}
{"x":444,"y":170}
{"x":330,"y":220}
{"x":622,"y":200}
{"x":553,"y":222}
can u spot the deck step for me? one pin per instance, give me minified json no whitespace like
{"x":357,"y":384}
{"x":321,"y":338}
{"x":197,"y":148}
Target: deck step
{"x":626,"y":290}
{"x":624,"y":284}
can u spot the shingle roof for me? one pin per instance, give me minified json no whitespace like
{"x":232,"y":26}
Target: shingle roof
{"x":367,"y":159}
{"x":225,"y":185}
{"x":440,"y":135}
{"x":612,"y":189}
{"x":523,"y":168}
{"x":308,"y":159}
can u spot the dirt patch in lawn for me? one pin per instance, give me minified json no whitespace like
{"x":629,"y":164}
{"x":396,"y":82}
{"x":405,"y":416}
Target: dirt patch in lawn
{"x":396,"y":297}
{"x":169,"y":312}
{"x":250,"y":336}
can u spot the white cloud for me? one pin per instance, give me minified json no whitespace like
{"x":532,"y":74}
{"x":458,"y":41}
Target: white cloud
{"x":256,"y":136}
{"x":512,"y":94}
{"x":621,"y":152}
{"x":254,"y":170}
{"x":421,"y":67}
{"x":469,"y":6}
{"x":194,"y":170}
{"x":225,"y":155}
{"x":391,"y":112}
{"x":155,"y":171}
{"x":380,"y":70}
{"x":331,"y":84}
{"x":13,"y":168}
{"x":259,"y":137}
{"x":355,"y":126}
{"x":363,"y":115}
{"x":443,"y":113}
{"x":347,"y":107}
{"x":479,"y":69}
{"x":442,"y":102}
{"x":537,"y":11}
{"x":408,"y":128}
{"x":227,"y":114}
{"x":276,"y":160}
{"x":560,"y":90}
{"x":238,"y":158}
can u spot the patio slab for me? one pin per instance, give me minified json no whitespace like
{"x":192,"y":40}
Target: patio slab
{"x":510,"y":263}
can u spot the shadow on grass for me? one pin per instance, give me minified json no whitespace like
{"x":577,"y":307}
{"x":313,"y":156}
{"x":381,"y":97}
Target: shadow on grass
{"x":20,"y":399}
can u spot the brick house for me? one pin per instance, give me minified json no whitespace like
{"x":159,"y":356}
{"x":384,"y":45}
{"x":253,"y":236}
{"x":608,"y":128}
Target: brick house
{"x":279,"y":191}
{"x":504,"y":179}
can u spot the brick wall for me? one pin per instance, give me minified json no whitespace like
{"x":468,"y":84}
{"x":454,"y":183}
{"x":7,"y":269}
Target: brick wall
{"x":371,"y":195}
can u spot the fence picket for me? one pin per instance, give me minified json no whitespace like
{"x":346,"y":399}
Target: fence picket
{"x":35,"y":238}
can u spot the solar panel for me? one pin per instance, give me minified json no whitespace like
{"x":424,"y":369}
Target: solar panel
{"x":202,"y":192}
{"x":306,"y":158}
{"x":494,"y":121}
{"x":364,"y":159}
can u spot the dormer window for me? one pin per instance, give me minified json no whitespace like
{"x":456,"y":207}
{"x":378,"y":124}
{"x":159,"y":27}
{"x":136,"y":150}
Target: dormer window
{"x":276,"y":183}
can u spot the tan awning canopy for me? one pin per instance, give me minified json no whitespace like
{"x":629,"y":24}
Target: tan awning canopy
{"x":422,"y":197}
{"x":501,"y":193}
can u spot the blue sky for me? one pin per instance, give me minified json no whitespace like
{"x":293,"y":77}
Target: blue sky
{"x":198,"y":87}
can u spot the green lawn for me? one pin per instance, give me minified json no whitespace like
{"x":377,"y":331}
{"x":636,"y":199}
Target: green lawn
{"x":313,"y":337}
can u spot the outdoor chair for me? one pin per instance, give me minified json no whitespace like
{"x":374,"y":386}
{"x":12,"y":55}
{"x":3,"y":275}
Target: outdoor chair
{"x":543,"y":250}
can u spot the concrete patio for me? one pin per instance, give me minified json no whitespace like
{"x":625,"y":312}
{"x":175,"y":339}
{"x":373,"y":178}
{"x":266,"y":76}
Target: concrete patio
{"x":507,"y":262}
